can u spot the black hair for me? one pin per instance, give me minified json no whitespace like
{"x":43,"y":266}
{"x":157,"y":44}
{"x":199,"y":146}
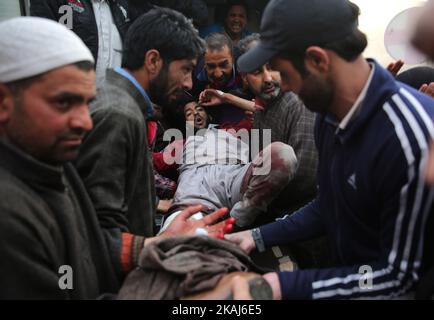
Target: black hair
{"x":197,"y":10}
{"x":20,"y":85}
{"x":244,"y":44}
{"x":165,"y":30}
{"x":417,"y":76}
{"x":217,"y":41}
{"x":174,"y":116}
{"x":186,"y":98}
{"x":232,"y":3}
{"x":348,"y":48}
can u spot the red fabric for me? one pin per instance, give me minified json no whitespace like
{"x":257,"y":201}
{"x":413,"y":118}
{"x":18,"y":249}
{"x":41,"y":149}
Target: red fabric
{"x":159,"y":164}
{"x":259,"y":102}
{"x":243,"y":124}
{"x":126,"y":261}
{"x":152,"y":131}
{"x":158,"y":160}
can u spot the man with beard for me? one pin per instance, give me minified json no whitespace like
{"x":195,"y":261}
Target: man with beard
{"x":287,"y":119}
{"x":235,"y":18}
{"x":372,"y":134}
{"x":51,"y":243}
{"x":219,"y":73}
{"x":161,"y":48}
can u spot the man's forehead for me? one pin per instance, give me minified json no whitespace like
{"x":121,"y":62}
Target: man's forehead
{"x":224,"y":51}
{"x":217,"y":57}
{"x":239,"y":9}
{"x":191,"y":106}
{"x":69,"y":78}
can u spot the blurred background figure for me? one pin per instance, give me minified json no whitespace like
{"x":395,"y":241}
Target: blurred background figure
{"x":101,"y":24}
{"x":196,"y":10}
{"x":423,"y":38}
{"x":233,"y":21}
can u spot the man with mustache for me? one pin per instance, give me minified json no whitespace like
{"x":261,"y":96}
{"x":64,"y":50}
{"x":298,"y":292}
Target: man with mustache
{"x":235,"y":18}
{"x":161,"y":48}
{"x":285,"y":116}
{"x":219,"y":73}
{"x":52,"y":245}
{"x":372,"y":135}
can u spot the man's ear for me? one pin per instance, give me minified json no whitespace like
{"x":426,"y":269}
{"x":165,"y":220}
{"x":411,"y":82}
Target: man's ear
{"x":153,"y":62}
{"x":7,"y":104}
{"x":318,"y":59}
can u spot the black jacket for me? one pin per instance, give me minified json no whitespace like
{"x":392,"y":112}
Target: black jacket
{"x":114,"y":160}
{"x":47,"y":221}
{"x":84,"y":23}
{"x":197,"y":10}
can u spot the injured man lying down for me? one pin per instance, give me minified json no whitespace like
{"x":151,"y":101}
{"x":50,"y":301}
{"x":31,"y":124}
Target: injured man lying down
{"x":215,"y":170}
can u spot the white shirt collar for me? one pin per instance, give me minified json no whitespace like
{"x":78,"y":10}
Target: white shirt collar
{"x":356,"y":106}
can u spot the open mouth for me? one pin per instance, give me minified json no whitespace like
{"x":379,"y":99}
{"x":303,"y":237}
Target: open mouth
{"x":236,"y":27}
{"x":198,"y":121}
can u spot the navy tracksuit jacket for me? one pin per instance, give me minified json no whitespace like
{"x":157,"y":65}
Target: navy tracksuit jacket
{"x":372,"y":201}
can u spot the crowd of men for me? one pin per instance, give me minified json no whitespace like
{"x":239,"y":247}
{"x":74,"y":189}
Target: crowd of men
{"x":285,"y":137}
